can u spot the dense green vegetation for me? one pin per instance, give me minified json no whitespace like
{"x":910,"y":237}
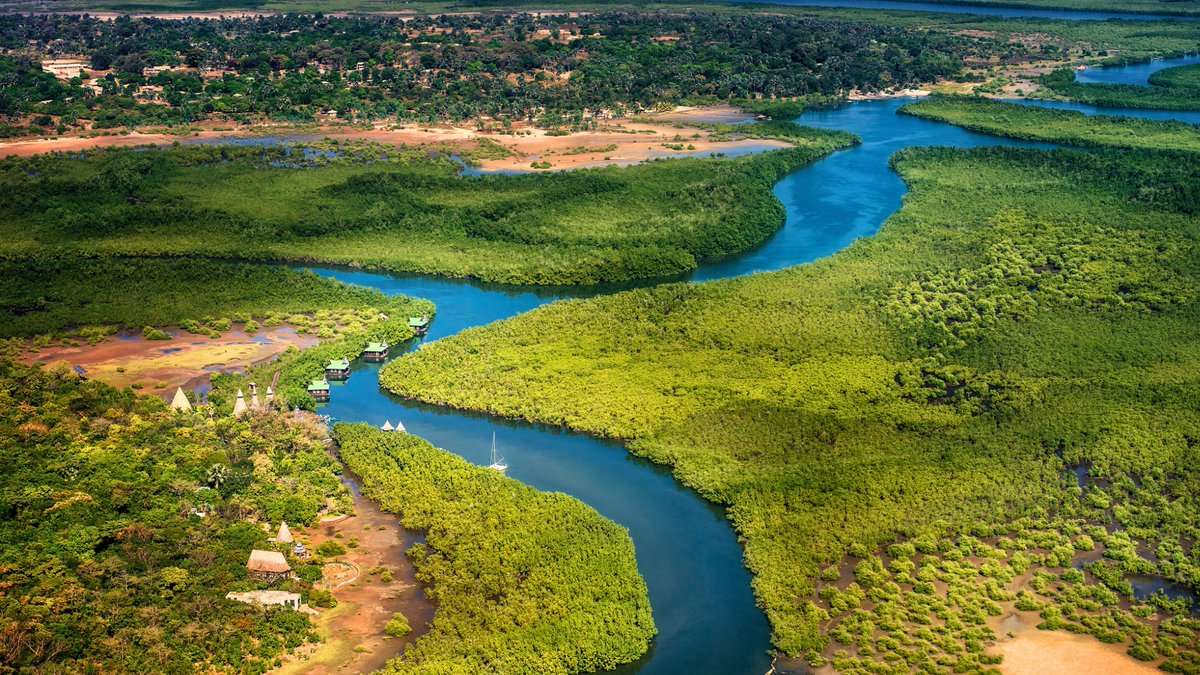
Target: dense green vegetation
{"x":1183,"y":77}
{"x":1067,"y":127}
{"x":934,"y":380}
{"x":122,"y":527}
{"x":61,"y":296}
{"x":399,"y":211}
{"x":1170,"y":89}
{"x":559,"y":69}
{"x":524,"y":581}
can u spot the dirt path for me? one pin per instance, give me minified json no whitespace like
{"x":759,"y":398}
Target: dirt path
{"x":354,"y":641}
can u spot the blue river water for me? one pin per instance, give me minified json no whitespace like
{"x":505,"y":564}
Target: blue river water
{"x":689,"y":555}
{"x":984,"y":10}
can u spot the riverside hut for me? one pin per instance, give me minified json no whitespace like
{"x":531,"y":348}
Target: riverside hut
{"x":419,"y":324}
{"x":387,"y":426}
{"x":400,"y":427}
{"x":376,"y":351}
{"x":180,"y":402}
{"x":285,"y":535}
{"x":239,"y":406}
{"x":337,"y":369}
{"x":268,"y":566}
{"x":319,"y":390}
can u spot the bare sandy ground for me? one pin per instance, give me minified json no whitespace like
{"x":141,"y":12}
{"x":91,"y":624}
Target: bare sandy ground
{"x":1040,"y":652}
{"x":186,"y":360}
{"x":1043,"y":652}
{"x":353,"y":631}
{"x":634,"y":141}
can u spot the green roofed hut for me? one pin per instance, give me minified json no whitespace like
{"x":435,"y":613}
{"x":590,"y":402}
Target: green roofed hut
{"x":337,"y":369}
{"x":319,"y":390}
{"x":376,"y":351}
{"x":419,"y":324}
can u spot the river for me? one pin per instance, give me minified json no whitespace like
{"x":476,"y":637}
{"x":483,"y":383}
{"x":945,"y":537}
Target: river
{"x":982,"y":10}
{"x":689,"y":555}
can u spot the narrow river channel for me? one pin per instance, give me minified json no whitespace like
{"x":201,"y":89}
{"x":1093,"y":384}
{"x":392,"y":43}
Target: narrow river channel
{"x":700,"y":592}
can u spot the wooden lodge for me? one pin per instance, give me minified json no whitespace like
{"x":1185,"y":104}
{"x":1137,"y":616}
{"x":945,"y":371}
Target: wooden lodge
{"x":376,"y":351}
{"x":319,"y":390}
{"x":268,"y":566}
{"x":419,"y":324}
{"x":337,"y":369}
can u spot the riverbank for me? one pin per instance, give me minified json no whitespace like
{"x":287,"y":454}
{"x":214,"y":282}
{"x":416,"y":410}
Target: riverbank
{"x":383,"y":583}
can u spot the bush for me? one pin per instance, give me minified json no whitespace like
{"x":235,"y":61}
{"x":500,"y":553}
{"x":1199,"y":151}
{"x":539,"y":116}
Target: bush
{"x":331,"y":549}
{"x":152,"y":333}
{"x":398,"y":626}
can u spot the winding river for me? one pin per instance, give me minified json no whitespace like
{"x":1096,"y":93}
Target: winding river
{"x":690,"y":557}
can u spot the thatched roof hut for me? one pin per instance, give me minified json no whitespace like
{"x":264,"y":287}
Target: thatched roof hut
{"x":239,"y":406}
{"x":268,"y":565}
{"x":285,"y":535}
{"x":180,"y":402}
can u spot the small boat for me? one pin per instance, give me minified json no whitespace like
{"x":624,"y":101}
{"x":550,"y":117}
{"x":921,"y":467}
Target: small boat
{"x":497,"y":459}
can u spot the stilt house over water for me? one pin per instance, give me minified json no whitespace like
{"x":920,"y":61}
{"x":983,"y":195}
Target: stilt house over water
{"x":337,"y":369}
{"x":319,"y":390}
{"x":376,"y":351}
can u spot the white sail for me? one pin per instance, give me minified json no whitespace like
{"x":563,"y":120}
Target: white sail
{"x":497,"y":459}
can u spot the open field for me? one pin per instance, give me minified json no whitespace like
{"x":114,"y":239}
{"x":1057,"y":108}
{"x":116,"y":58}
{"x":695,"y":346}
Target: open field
{"x":157,"y":367}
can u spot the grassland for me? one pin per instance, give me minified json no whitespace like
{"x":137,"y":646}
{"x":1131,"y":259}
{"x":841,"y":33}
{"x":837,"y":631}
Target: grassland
{"x":931,"y":381}
{"x":399,"y":211}
{"x":524,"y":581}
{"x":1067,"y":127}
{"x":1170,"y":89}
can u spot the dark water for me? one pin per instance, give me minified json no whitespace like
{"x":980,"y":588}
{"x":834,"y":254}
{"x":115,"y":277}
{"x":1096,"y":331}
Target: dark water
{"x":1010,"y":12}
{"x":686,"y":550}
{"x":1145,"y":585}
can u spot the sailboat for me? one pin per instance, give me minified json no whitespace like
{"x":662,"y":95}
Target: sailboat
{"x":497,"y":459}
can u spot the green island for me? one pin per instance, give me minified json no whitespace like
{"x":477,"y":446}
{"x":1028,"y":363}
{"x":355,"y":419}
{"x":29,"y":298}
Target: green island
{"x":1175,"y":88}
{"x":1068,"y":127}
{"x":124,"y":525}
{"x":915,"y":401}
{"x":541,"y":584}
{"x":399,"y":211}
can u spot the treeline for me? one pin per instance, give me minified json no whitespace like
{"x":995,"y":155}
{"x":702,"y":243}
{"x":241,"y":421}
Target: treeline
{"x":413,"y":215}
{"x":1068,"y":127}
{"x":62,"y":296}
{"x":1025,"y":312}
{"x":1169,"y":89}
{"x":523,"y":581}
{"x":560,"y":70}
{"x":123,"y":526}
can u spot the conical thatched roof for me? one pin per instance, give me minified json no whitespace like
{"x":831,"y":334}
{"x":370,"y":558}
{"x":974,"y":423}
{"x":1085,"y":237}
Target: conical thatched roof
{"x":270,"y":395}
{"x":285,"y":535}
{"x":387,"y":426}
{"x":400,"y":427}
{"x":239,"y":407}
{"x":180,"y":403}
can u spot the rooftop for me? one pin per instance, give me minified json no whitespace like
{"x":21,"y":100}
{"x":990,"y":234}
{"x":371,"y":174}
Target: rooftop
{"x":267,"y":561}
